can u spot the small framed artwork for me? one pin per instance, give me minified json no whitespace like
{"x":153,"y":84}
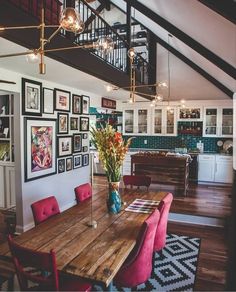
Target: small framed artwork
{"x":61,"y":100}
{"x":64,"y":146}
{"x":76,"y":104}
{"x":69,"y":163}
{"x":61,"y":165}
{"x":40,"y":148}
{"x":84,"y":124}
{"x":74,"y":124}
{"x":31,"y":97}
{"x":77,"y":142}
{"x":48,"y":98}
{"x":85,"y":135}
{"x":85,"y":104}
{"x":85,"y":148}
{"x":62,"y":120}
{"x":85,"y":160}
{"x":77,"y":161}
{"x":6,"y":132}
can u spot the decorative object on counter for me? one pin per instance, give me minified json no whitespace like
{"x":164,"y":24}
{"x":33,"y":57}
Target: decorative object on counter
{"x":228,"y":147}
{"x":112,"y":149}
{"x":200,"y":146}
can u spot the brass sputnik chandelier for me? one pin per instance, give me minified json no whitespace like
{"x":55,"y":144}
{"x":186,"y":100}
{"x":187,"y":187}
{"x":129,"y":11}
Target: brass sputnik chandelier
{"x":70,"y":21}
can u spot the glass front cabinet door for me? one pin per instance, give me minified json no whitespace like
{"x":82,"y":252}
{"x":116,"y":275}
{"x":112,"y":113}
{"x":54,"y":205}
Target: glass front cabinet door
{"x":142,"y":121}
{"x":226,"y":126}
{"x":211,"y":117}
{"x":170,"y":122}
{"x":129,"y":121}
{"x":164,"y":121}
{"x":158,"y":121}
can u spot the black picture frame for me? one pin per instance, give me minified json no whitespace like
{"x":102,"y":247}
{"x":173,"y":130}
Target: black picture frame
{"x":74,"y":124}
{"x":84,"y":124}
{"x":77,"y":143}
{"x":85,"y":148}
{"x":62,"y":123}
{"x":85,"y":104}
{"x":85,"y":135}
{"x":77,"y":161}
{"x":35,"y":142}
{"x":85,"y":159}
{"x":31,"y":97}
{"x":69,"y":163}
{"x":61,"y":100}
{"x":64,"y":146}
{"x":61,"y":165}
{"x":76,"y":104}
{"x":48,"y":100}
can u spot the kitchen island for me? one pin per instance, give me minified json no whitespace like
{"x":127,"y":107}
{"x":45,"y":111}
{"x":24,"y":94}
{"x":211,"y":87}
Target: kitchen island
{"x":163,"y":168}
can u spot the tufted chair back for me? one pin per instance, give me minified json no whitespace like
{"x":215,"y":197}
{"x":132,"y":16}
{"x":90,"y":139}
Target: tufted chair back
{"x":44,"y":209}
{"x":83,"y":192}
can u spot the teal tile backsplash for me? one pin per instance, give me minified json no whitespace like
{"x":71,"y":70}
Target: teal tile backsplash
{"x":164,"y":142}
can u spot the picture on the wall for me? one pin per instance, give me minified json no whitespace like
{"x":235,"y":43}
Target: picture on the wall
{"x":61,"y":165}
{"x":74,"y":124}
{"x":85,"y":159}
{"x":62,"y":120}
{"x":40,"y":148}
{"x":85,"y":104}
{"x":69,"y":165}
{"x":48,"y":100}
{"x":85,"y":148}
{"x":76,"y":104}
{"x":77,"y":142}
{"x":31,"y":97}
{"x":64,"y":146}
{"x":61,"y":100}
{"x":85,"y":135}
{"x":77,"y":161}
{"x":84,"y":124}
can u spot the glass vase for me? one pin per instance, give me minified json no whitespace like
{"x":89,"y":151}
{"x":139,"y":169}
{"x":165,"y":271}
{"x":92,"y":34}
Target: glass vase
{"x":114,"y":199}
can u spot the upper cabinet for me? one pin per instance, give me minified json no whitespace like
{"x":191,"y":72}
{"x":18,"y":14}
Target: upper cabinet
{"x":136,"y":121}
{"x":218,"y":122}
{"x":164,"y":121}
{"x":190,"y":114}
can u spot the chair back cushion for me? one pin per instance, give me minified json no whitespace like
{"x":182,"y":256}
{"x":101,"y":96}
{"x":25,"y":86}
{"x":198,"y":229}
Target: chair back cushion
{"x":44,"y":209}
{"x":83,"y":192}
{"x":29,"y":265}
{"x":137,"y":180}
{"x":138,"y":266}
{"x":164,"y":208}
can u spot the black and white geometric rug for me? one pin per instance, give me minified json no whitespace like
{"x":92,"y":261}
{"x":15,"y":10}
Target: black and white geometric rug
{"x":176,"y":269}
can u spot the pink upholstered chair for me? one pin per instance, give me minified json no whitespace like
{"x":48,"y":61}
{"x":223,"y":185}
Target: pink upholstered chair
{"x":29,"y":265}
{"x":44,"y":209}
{"x":138,"y":266}
{"x":137,"y":180}
{"x":164,"y":208}
{"x":83,"y":192}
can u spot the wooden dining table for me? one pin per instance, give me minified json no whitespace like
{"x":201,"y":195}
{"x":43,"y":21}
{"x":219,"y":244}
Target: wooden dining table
{"x":94,"y":254}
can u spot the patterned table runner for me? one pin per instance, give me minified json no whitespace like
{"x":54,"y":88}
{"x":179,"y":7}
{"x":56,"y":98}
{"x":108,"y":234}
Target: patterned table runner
{"x":142,"y":206}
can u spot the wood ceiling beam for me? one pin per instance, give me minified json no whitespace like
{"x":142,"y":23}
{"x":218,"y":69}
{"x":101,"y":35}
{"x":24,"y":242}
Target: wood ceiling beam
{"x":189,"y":41}
{"x":195,"y":67}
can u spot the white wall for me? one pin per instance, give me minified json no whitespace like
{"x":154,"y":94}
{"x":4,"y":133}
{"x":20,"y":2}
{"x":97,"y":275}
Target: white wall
{"x":59,"y":185}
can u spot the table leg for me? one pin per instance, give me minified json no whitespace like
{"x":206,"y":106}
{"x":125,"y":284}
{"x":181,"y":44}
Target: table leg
{"x":108,"y":288}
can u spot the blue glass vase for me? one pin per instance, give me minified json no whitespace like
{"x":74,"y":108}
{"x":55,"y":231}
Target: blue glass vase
{"x":114,"y":200}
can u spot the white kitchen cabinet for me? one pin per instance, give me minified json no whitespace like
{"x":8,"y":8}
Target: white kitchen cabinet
{"x":164,"y":121}
{"x":206,"y":168}
{"x":136,"y":121}
{"x":224,"y":169}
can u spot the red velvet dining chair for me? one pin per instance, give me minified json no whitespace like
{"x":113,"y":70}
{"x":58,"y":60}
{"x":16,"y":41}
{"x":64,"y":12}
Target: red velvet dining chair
{"x":83,"y":192}
{"x":44,"y":209}
{"x":164,"y":208}
{"x":137,"y":180}
{"x":29,"y":265}
{"x":138,"y":266}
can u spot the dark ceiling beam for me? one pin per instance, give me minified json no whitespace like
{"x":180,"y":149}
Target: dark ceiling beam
{"x":196,"y":46}
{"x":195,"y":67}
{"x":226,"y":8}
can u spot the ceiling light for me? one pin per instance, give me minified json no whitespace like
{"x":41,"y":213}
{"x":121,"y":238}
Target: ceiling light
{"x":104,"y":44}
{"x":182,"y":101}
{"x":131,"y":53}
{"x":32,"y":57}
{"x":109,"y":87}
{"x":70,"y":19}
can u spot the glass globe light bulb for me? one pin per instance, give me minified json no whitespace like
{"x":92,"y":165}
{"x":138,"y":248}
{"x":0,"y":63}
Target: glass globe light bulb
{"x":79,"y":27}
{"x":163,"y":84}
{"x":104,"y":44}
{"x":69,"y":19}
{"x":131,"y":53}
{"x":182,"y":101}
{"x":32,"y":57}
{"x":108,"y":87}
{"x":159,"y":97}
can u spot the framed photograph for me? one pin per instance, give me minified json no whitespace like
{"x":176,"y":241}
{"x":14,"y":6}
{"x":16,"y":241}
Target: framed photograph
{"x":61,"y":100}
{"x":85,"y":148}
{"x":85,"y":104}
{"x":48,"y":98}
{"x":77,"y":161}
{"x":76,"y":104}
{"x":69,"y":164}
{"x":6,"y":132}
{"x":85,"y":160}
{"x":85,"y":135}
{"x":77,"y":142}
{"x":61,"y":165}
{"x":84,"y":124}
{"x":40,"y":148}
{"x":74,"y":124}
{"x":64,"y":146}
{"x":62,"y":123}
{"x":31,"y":97}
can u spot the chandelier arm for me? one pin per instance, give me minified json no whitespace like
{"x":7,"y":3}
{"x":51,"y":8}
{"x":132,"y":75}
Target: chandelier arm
{"x":17,"y":54}
{"x":52,"y":35}
{"x":19,"y":27}
{"x":145,"y":94}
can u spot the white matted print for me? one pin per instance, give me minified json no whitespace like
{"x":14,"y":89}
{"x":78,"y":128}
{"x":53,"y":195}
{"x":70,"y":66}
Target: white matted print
{"x":31,"y":97}
{"x":48,"y":96}
{"x":64,"y":145}
{"x":61,"y":100}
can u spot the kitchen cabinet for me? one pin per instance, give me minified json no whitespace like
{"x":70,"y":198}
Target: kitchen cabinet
{"x":224,"y":169}
{"x":164,"y":121}
{"x":218,"y":122}
{"x":136,"y":121}
{"x":206,"y":168}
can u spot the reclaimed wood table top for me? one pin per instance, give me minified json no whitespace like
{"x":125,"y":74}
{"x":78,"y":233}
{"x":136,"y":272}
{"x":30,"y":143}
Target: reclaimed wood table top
{"x":94,"y":254}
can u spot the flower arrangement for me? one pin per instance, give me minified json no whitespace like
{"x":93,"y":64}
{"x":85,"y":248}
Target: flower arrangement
{"x":112,"y":149}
